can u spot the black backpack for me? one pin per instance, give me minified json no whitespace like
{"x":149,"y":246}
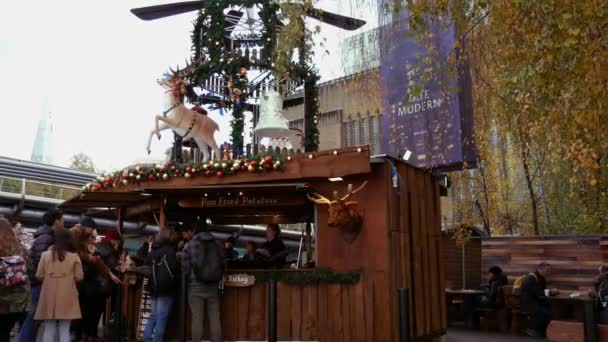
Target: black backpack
{"x":210,"y":267}
{"x":163,"y":274}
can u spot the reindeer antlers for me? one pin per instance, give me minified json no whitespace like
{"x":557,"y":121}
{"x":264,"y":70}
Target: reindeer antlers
{"x":188,"y":70}
{"x":352,"y":192}
{"x":320,"y":199}
{"x":317,"y":198}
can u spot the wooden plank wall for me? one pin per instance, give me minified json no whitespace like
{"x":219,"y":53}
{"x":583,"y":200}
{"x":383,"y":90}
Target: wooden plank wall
{"x":452,"y":261}
{"x":415,"y":250}
{"x":575,"y":259}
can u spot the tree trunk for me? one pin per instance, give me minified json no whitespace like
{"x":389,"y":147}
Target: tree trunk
{"x":484,"y":215}
{"x":525,"y":152}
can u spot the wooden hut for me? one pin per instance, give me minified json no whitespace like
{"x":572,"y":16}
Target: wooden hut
{"x":351,"y":294}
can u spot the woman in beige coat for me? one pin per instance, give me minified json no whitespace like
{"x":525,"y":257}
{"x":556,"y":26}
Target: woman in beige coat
{"x":59,"y":270}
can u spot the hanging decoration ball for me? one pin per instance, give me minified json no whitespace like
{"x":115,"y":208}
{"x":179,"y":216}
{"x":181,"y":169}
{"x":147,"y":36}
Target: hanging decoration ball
{"x":99,"y":178}
{"x":165,"y":176}
{"x":189,"y":169}
{"x":131,"y":175}
{"x":177,"y":171}
{"x":224,"y":165}
{"x":216,"y":165}
{"x":138,"y":177}
{"x":151,"y":177}
{"x":138,"y":168}
{"x":243,"y":168}
{"x":157,"y":175}
{"x":251,"y":168}
{"x":206,"y":167}
{"x":207,"y":173}
{"x":254,"y":163}
{"x":220,"y":174}
{"x":187,"y":175}
{"x":278,"y":163}
{"x":125,"y":182}
{"x":125,"y":175}
{"x":98,"y":186}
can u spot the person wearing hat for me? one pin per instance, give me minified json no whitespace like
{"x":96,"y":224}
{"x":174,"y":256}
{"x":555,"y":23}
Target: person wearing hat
{"x":229,"y":251}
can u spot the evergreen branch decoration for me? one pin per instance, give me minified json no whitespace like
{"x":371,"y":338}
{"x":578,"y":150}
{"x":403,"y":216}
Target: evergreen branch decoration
{"x":311,"y":114}
{"x":317,"y":275}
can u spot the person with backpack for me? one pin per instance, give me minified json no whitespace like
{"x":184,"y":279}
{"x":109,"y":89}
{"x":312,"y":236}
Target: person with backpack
{"x":162,"y":285}
{"x":534,"y":299}
{"x":203,"y":265}
{"x":44,"y":237}
{"x":14,"y":283}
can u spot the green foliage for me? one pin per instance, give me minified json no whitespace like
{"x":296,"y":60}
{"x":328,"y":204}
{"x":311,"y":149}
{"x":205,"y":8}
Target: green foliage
{"x":82,"y":162}
{"x":311,"y":114}
{"x":315,"y":276}
{"x":238,"y":125}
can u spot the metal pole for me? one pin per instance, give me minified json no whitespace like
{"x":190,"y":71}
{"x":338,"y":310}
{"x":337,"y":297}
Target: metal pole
{"x":590,"y":323}
{"x":272,"y":310}
{"x":183,"y":307}
{"x":404,"y":315}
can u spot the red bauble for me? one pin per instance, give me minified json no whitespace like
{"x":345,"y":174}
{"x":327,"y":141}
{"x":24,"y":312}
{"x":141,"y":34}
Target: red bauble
{"x":243,"y":168}
{"x":125,"y":175}
{"x":189,"y":169}
{"x":254,"y":163}
{"x":169,"y":163}
{"x":220,"y":174}
{"x":177,"y":172}
{"x":151,"y":177}
{"x":268,"y":159}
{"x":207,"y":173}
{"x":98,"y":186}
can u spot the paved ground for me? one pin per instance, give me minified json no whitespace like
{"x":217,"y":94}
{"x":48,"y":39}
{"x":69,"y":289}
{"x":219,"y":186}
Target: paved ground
{"x":462,"y":335}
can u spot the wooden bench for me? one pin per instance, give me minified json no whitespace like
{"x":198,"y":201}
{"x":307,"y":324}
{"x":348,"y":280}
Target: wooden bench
{"x":569,"y":331}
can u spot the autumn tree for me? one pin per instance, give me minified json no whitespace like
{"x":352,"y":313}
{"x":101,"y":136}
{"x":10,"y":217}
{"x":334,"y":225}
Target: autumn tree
{"x":82,"y":162}
{"x":540,"y":87}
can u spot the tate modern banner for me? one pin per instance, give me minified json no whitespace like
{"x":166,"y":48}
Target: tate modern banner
{"x":427,"y":119}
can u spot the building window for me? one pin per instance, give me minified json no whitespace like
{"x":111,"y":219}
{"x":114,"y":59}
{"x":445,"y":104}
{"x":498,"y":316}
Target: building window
{"x":364,"y":131}
{"x":354,"y":132}
{"x":375,"y":134}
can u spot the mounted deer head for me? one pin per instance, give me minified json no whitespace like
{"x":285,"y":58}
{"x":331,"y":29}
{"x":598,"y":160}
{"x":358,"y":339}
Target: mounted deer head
{"x":346,"y":216}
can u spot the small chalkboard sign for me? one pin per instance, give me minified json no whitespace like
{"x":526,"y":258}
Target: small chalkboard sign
{"x":239,"y":280}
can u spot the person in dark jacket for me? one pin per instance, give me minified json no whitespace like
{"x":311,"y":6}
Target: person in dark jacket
{"x":229,"y":251}
{"x":44,"y":237}
{"x":163,"y":259}
{"x":534,"y":298}
{"x":496,"y":280}
{"x":146,"y":247}
{"x":200,"y":292}
{"x":274,"y":251}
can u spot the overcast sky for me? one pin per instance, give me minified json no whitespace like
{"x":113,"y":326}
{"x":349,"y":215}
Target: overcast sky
{"x":93,"y":65}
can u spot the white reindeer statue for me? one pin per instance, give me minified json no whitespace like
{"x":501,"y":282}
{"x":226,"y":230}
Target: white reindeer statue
{"x":183,"y":121}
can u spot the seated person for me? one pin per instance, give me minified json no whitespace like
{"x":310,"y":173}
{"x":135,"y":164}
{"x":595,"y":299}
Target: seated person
{"x":229,"y":251}
{"x":274,"y":250}
{"x":534,"y":298}
{"x":251,"y":249}
{"x":496,"y":280}
{"x":600,"y":291}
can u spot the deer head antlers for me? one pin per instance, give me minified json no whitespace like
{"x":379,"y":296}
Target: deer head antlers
{"x":188,"y":70}
{"x":346,"y":216}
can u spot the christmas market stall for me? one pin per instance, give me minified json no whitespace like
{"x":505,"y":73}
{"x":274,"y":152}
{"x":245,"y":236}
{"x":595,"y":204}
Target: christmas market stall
{"x":372,"y":228}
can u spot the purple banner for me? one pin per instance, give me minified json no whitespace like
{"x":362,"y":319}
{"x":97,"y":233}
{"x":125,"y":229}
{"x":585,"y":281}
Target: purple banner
{"x":434,"y":123}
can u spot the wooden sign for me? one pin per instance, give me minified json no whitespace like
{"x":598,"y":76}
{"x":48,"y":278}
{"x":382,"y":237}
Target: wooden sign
{"x":244,"y":201}
{"x":239,"y":280}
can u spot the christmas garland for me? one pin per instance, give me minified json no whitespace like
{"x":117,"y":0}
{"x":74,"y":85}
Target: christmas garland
{"x":164,"y":172}
{"x":317,"y":275}
{"x":311,"y":115}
